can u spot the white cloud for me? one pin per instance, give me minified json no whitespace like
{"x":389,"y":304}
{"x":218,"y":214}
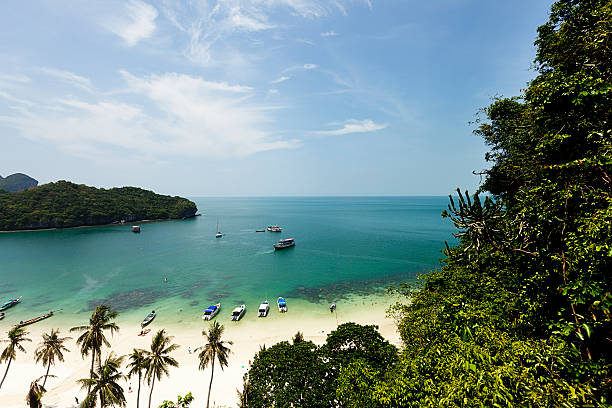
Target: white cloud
{"x":310,"y":66}
{"x":69,"y":77}
{"x":11,"y":98}
{"x":14,"y":78}
{"x":281,"y":79}
{"x":331,"y":33}
{"x":354,"y":126}
{"x":210,"y":25}
{"x":134,"y":22}
{"x":176,"y":115}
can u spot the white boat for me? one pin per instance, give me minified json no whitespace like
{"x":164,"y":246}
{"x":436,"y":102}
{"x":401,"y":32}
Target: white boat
{"x":264,"y":308}
{"x":219,"y":234}
{"x":284,"y":243}
{"x":275,"y":228}
{"x":211,"y":312}
{"x":332,"y":307}
{"x":148,"y":319}
{"x":238,"y":312}
{"x":282,"y":304}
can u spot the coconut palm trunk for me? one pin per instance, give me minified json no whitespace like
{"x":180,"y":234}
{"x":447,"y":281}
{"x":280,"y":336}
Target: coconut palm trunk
{"x":151,"y":393}
{"x":47,"y":373}
{"x":212,"y":374}
{"x":91,"y":371}
{"x":6,"y":372}
{"x":138,"y":392}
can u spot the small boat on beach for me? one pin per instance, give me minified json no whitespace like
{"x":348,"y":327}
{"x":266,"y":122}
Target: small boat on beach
{"x":136,"y":228}
{"x":148,"y":319}
{"x":264,"y":308}
{"x":282,"y":304}
{"x":144,"y":332}
{"x":238,"y":312}
{"x":1,"y":315}
{"x":35,"y":320}
{"x":211,"y":312}
{"x":275,"y":228}
{"x":284,"y":243}
{"x":10,"y":303}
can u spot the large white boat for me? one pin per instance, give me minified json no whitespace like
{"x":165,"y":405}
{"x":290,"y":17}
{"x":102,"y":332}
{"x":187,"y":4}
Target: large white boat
{"x":211,"y":312}
{"x":264,"y":308}
{"x":282,"y":304}
{"x":284,"y":243}
{"x":238,"y":312}
{"x":275,"y":228}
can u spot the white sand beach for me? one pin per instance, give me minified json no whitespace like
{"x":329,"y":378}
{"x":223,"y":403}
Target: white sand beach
{"x":313,"y":320}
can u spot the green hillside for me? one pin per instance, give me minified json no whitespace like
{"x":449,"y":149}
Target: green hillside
{"x":64,"y":204}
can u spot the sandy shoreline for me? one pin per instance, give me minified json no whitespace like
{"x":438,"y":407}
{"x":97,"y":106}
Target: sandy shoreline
{"x":314,"y":320}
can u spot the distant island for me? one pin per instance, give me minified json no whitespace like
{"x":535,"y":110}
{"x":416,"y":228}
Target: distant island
{"x":64,"y":205}
{"x":17,"y":182}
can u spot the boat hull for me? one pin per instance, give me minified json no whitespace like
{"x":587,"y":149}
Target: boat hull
{"x":283,"y":246}
{"x":147,"y":320}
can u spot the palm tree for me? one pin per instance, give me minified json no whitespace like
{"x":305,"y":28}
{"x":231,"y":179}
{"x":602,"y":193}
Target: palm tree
{"x":15,"y":337}
{"x":214,"y":349}
{"x":93,"y":337}
{"x":158,"y":359}
{"x":51,"y":347}
{"x":137,"y":366}
{"x":104,"y":384}
{"x":34,"y":397}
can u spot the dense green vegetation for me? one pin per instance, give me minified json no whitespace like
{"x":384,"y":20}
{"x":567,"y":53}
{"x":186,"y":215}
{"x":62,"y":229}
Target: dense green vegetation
{"x":64,"y":204}
{"x":16,"y":182}
{"x":302,"y":374}
{"x":519,"y":314}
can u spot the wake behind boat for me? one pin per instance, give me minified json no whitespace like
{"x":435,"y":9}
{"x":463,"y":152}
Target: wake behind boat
{"x":148,"y":319}
{"x":282,"y":304}
{"x":238,"y":312}
{"x":35,"y":320}
{"x":211,"y":312}
{"x":10,"y":303}
{"x":284,"y":243}
{"x":264,"y":308}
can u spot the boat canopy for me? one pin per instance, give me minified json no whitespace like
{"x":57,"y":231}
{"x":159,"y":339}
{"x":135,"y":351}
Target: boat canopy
{"x":282,"y":302}
{"x":211,"y":309}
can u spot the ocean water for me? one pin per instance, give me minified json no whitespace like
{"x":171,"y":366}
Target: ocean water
{"x":344,"y":246}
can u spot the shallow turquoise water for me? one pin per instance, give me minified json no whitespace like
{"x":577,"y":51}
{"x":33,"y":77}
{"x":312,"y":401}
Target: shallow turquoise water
{"x":343,"y":245}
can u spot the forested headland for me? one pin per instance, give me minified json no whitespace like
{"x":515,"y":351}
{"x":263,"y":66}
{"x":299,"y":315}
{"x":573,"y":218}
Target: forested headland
{"x":519,"y":313}
{"x":64,"y":204}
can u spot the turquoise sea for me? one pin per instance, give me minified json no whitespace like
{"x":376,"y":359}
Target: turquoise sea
{"x":344,"y":246}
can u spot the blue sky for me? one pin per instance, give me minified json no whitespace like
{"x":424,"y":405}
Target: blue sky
{"x":259,"y":97}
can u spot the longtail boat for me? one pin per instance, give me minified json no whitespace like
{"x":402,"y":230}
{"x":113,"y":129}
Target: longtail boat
{"x":10,"y":303}
{"x":35,"y":320}
{"x":148,"y":319}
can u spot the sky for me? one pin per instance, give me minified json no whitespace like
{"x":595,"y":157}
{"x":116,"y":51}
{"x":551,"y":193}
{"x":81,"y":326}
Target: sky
{"x":259,"y":97}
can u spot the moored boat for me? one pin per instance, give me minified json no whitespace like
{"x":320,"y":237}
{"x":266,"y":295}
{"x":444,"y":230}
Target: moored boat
{"x":238,"y":312}
{"x":211,"y":312}
{"x":219,"y":234}
{"x":264,"y":308}
{"x":284,"y":243}
{"x":332,"y":307}
{"x":1,"y":315}
{"x":136,"y":228}
{"x":148,"y":319}
{"x":275,"y":228}
{"x":34,"y":320}
{"x":10,"y":303}
{"x":282,"y":304}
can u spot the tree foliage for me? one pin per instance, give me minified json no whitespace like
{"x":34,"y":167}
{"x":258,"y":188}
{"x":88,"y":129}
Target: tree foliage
{"x":301,"y":374}
{"x":64,"y":204}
